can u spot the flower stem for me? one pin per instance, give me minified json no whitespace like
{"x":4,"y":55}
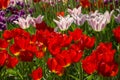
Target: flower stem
{"x":80,"y":71}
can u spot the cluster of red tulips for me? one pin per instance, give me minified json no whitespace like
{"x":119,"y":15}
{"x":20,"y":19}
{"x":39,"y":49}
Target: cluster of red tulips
{"x":65,"y":49}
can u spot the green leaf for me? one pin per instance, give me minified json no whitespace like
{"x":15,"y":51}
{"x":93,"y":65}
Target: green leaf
{"x":14,"y":72}
{"x":73,"y":77}
{"x":11,"y":71}
{"x":90,"y":77}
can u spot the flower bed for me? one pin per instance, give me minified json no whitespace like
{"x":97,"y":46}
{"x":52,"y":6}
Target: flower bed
{"x":59,"y":40}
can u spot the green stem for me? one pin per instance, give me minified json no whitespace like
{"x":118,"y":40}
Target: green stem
{"x":80,"y":71}
{"x":20,"y":76}
{"x":73,"y":77}
{"x":114,"y":4}
{"x":98,"y":38}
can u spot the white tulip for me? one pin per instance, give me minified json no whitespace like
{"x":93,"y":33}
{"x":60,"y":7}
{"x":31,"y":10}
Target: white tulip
{"x":98,"y":23}
{"x":108,"y":15}
{"x":75,"y":11}
{"x":24,"y":23}
{"x":79,"y":19}
{"x":64,"y":22}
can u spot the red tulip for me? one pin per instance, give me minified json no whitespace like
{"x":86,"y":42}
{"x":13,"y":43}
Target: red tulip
{"x":11,"y":62}
{"x":4,"y":4}
{"x":54,"y":66}
{"x":108,"y":69}
{"x":43,"y":26}
{"x":39,"y":54}
{"x":7,"y":35}
{"x":88,"y":42}
{"x":60,"y":13}
{"x":76,"y":34}
{"x":15,"y":49}
{"x":3,"y":57}
{"x":75,"y":56}
{"x":105,"y":52}
{"x":116,"y":33}
{"x":37,"y":74}
{"x":36,"y":1}
{"x":85,"y":3}
{"x":89,"y":64}
{"x":101,"y":60}
{"x":26,"y":56}
{"x":3,"y":44}
{"x":64,"y":58}
{"x":66,"y":40}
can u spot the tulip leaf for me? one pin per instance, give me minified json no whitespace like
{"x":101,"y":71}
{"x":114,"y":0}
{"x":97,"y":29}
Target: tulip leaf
{"x":14,"y":73}
{"x":73,"y":77}
{"x":90,"y":77}
{"x":11,"y":71}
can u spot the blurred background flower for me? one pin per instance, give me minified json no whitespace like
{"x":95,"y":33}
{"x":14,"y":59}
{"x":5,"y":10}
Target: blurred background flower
{"x":117,"y":18}
{"x":3,"y":23}
{"x":4,"y":4}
